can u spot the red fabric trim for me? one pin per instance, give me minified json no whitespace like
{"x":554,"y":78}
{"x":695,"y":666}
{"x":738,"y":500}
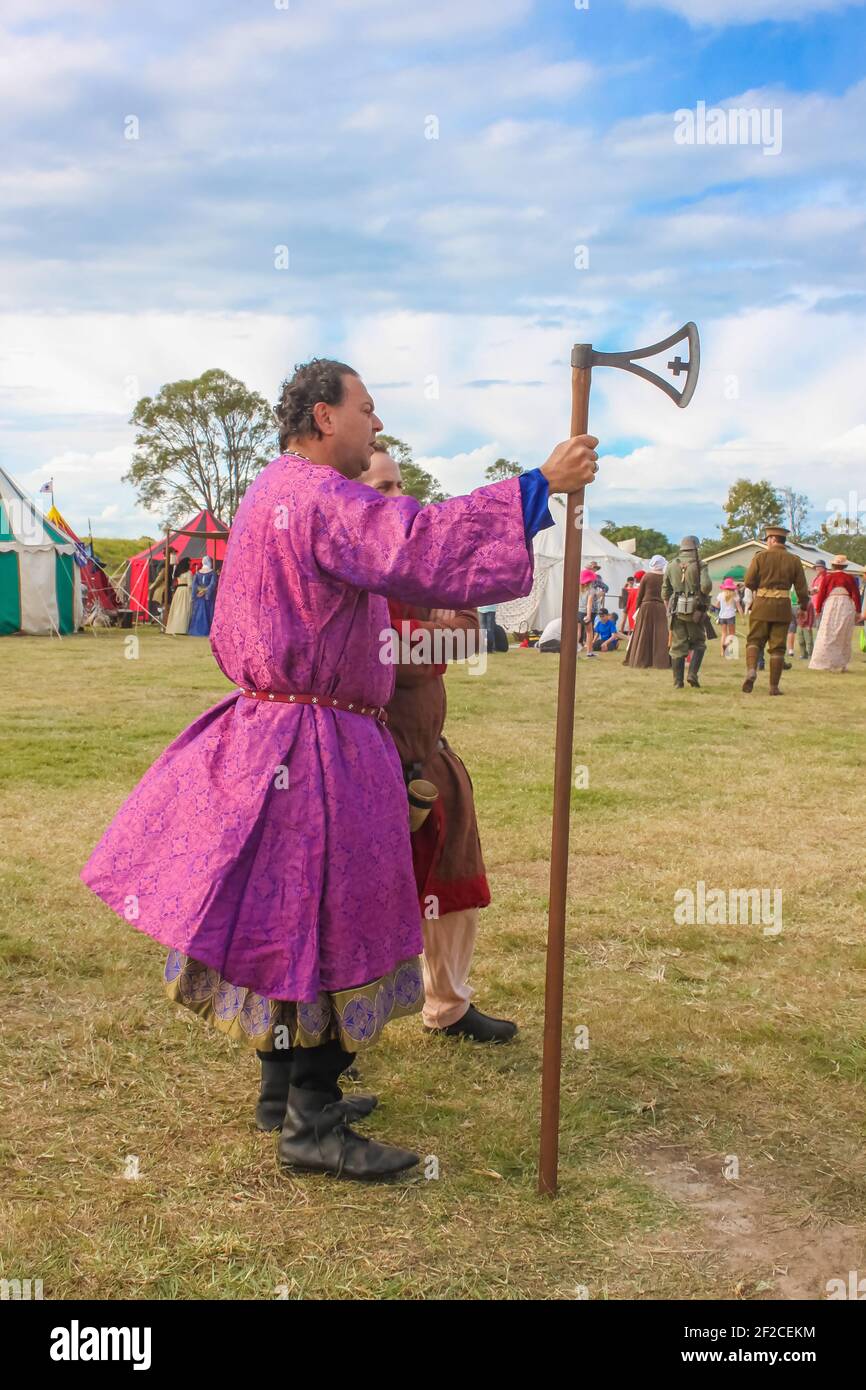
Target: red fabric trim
{"x":459,"y":894}
{"x":455,"y":895}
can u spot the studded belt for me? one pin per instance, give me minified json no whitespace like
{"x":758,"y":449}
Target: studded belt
{"x":325,"y":701}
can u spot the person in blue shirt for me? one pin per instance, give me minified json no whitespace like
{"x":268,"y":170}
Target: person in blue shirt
{"x":606,"y":636}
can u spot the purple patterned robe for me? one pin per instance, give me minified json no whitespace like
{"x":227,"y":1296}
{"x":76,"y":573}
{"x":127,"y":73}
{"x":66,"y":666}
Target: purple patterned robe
{"x":270,"y":841}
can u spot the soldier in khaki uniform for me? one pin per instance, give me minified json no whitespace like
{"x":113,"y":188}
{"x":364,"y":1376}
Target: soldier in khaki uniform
{"x":770,"y":577}
{"x":686,"y":590}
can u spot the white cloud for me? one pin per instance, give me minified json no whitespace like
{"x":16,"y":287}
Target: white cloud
{"x":44,"y":187}
{"x":100,"y":364}
{"x":395,"y":22}
{"x":450,"y":259}
{"x":42,"y":71}
{"x":780,"y":397}
{"x":728,"y":12}
{"x":464,"y":471}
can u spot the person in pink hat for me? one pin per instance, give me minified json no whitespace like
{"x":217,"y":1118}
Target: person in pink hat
{"x":585,"y":606}
{"x":729,"y":607}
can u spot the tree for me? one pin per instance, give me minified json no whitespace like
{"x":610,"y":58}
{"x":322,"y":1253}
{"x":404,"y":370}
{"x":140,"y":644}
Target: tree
{"x":750,"y":508}
{"x":647,"y":540}
{"x":199,"y":444}
{"x":501,"y":469}
{"x":850,"y":543}
{"x":417,"y":482}
{"x":795,"y":509}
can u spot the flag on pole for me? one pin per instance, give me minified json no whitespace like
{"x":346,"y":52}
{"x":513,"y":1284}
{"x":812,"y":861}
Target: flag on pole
{"x":47,"y":487}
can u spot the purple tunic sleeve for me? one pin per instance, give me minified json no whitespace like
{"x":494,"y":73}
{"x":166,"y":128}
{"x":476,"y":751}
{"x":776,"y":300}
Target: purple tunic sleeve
{"x":453,"y":554}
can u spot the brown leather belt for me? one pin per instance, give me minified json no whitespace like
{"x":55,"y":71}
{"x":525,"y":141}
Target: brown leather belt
{"x":326,"y":701}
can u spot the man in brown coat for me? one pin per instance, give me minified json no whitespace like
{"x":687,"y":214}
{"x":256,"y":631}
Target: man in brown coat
{"x":770,"y":577}
{"x":446,"y":851}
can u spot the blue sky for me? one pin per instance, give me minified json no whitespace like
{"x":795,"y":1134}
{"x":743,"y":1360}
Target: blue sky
{"x":443,"y":268}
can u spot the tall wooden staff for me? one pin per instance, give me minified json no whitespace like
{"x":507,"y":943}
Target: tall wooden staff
{"x":583,"y":359}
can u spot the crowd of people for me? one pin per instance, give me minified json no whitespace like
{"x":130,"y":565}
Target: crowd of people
{"x":666,"y":613}
{"x":192,"y":595}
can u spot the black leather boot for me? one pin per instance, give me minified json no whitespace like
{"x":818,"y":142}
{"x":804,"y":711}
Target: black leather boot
{"x":274,"y":1097}
{"x":678,"y":665}
{"x":752,"y":657}
{"x":316,"y":1138}
{"x":695,"y":666}
{"x":478,"y":1027}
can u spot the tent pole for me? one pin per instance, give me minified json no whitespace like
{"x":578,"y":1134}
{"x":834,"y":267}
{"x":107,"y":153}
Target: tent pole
{"x":165,"y":605}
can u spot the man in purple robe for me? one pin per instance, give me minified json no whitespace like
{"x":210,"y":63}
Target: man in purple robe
{"x":268,"y":847}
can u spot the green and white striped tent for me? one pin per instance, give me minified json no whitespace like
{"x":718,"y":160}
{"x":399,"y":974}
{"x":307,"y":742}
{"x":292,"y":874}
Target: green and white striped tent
{"x":40,"y":587}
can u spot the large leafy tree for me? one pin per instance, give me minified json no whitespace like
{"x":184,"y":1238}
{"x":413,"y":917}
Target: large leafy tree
{"x":748,"y":509}
{"x":200,"y":444}
{"x":647,"y":540}
{"x":850,"y":543}
{"x":417,"y":482}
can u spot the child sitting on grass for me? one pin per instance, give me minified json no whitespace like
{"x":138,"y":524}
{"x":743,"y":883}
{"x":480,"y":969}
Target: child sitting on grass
{"x":606,"y":635}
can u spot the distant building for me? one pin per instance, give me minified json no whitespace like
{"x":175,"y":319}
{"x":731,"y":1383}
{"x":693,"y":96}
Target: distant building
{"x":736,"y":561}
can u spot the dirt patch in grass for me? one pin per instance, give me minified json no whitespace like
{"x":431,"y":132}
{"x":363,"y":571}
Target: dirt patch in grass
{"x":769,"y":1256}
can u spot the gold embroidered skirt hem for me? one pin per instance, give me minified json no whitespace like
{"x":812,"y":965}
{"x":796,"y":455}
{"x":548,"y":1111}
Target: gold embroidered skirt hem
{"x":354,"y":1017}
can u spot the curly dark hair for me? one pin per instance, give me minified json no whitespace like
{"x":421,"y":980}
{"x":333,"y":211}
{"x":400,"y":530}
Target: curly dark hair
{"x":318,"y":380}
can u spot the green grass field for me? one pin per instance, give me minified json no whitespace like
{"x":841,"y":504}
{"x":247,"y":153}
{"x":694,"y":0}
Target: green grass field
{"x":713,"y":1133}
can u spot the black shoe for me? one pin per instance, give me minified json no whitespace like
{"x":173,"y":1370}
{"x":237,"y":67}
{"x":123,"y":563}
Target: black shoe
{"x":316,"y":1138}
{"x":274,"y":1097}
{"x":678,"y":665}
{"x":478,"y":1027}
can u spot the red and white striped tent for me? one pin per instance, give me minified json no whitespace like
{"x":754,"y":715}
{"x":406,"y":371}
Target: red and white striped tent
{"x":204,"y":535}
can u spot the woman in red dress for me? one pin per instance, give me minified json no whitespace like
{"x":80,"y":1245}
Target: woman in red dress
{"x":837,"y":600}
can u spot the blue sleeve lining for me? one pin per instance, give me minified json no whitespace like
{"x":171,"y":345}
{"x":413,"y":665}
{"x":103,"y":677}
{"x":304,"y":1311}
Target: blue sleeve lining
{"x":534,"y":496}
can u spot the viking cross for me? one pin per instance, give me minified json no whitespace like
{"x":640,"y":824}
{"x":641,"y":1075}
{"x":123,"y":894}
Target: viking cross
{"x":583,"y":359}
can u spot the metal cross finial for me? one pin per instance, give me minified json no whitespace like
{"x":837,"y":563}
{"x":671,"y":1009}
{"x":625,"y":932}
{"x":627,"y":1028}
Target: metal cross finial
{"x":584,"y":355}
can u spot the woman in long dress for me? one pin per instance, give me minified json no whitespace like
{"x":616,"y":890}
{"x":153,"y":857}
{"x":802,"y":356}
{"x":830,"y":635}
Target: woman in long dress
{"x":203,"y":595}
{"x":648,"y":647}
{"x":178,"y":615}
{"x":837,"y":601}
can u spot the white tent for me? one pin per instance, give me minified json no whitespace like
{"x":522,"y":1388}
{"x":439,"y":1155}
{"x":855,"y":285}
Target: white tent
{"x":40,"y":586}
{"x":545,"y":601}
